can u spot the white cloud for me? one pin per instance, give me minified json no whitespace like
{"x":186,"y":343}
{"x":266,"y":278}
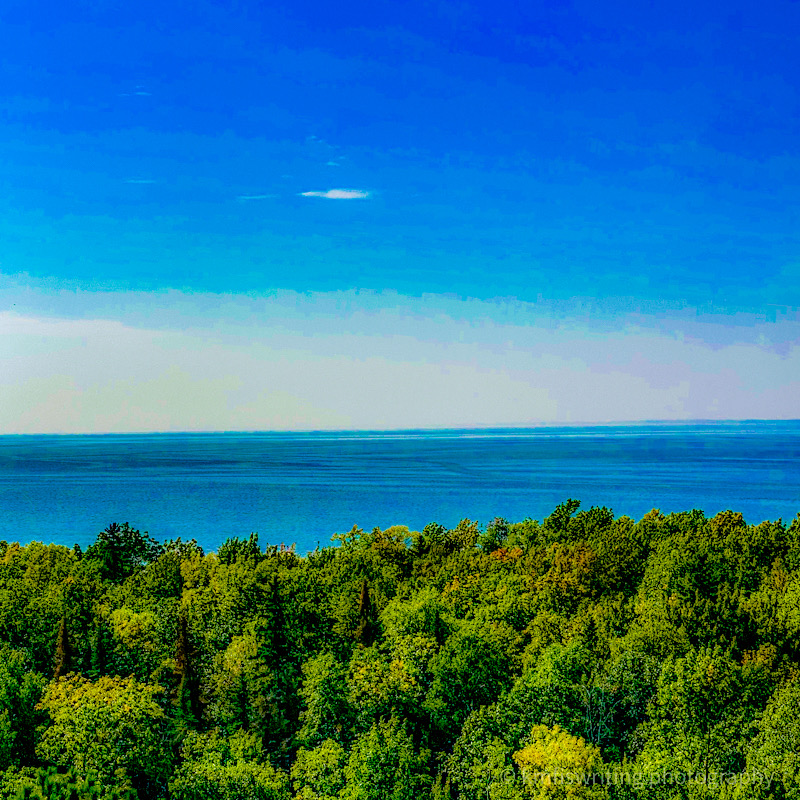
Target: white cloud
{"x":256,"y":196}
{"x":139,"y":91}
{"x":338,"y":194}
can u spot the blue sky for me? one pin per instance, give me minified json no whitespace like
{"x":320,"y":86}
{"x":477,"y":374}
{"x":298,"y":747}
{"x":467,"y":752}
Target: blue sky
{"x":461,"y":194}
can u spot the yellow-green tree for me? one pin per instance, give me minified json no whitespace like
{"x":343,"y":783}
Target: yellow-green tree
{"x":556,"y":764}
{"x":318,"y":773}
{"x":114,"y":727}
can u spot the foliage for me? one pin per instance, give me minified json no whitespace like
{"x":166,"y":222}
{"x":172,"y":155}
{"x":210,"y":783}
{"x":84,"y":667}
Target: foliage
{"x":121,"y":549}
{"x":319,"y":773}
{"x":218,"y":768}
{"x":51,"y":784}
{"x":383,"y":765}
{"x":114,"y":727}
{"x":327,"y":713}
{"x":558,"y":765}
{"x":449,"y":664}
{"x":20,"y":691}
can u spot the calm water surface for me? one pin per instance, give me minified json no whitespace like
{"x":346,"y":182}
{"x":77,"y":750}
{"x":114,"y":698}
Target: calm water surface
{"x":304,"y":487}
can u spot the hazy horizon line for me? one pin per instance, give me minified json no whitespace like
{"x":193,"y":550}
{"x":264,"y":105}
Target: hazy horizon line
{"x":422,"y":429}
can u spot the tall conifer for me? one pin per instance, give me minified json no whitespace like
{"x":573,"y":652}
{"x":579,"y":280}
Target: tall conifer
{"x":366,"y":630}
{"x":63,"y":658}
{"x":188,"y":697}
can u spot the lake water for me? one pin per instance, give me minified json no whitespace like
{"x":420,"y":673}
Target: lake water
{"x":303,"y":487}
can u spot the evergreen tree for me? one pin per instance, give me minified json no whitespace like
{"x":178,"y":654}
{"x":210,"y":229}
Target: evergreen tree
{"x":121,"y":550}
{"x":367,"y":629}
{"x":98,"y":658}
{"x":63,"y":658}
{"x":188,"y":696}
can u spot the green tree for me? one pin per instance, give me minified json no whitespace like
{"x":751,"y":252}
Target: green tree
{"x":188,"y":692}
{"x":99,"y":650}
{"x":48,"y":783}
{"x":471,"y":669}
{"x":699,"y":718}
{"x":774,"y":755}
{"x":423,"y":613}
{"x":319,"y":773}
{"x":481,"y":764}
{"x":218,"y":768}
{"x":114,"y":727}
{"x":367,"y":628}
{"x":121,"y":550}
{"x":327,"y":713}
{"x":383,"y":765}
{"x":20,"y":691}
{"x":247,"y":692}
{"x":235,"y":549}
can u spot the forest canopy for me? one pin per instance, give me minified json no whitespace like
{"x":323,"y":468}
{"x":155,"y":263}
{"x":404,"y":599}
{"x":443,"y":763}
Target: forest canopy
{"x":583,"y":656}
